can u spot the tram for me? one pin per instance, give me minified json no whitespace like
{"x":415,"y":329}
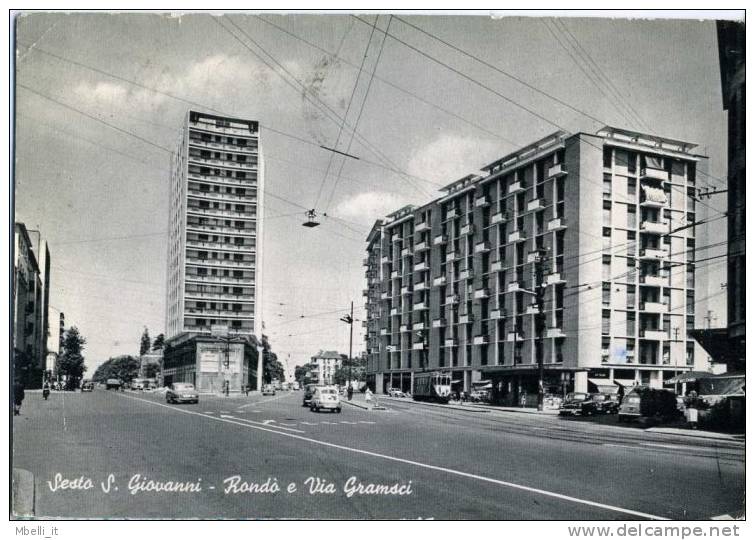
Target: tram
{"x":432,"y":386}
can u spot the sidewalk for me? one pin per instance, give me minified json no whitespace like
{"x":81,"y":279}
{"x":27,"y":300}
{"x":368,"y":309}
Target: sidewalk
{"x":474,"y":407}
{"x":357,"y":400}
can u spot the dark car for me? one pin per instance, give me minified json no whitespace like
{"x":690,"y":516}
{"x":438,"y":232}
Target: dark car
{"x":572,"y":405}
{"x":182,"y":392}
{"x":113,"y":384}
{"x":600,"y":404}
{"x":87,"y":386}
{"x":309,"y":390}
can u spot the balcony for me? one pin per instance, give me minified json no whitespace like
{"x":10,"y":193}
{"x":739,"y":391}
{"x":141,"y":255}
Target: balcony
{"x":190,"y":243}
{"x":656,"y":227}
{"x":514,"y":286}
{"x":406,"y":252}
{"x":212,"y":127}
{"x":439,"y":323}
{"x":450,"y":256}
{"x":405,"y":328}
{"x":385,"y":259}
{"x":515,"y":187}
{"x":497,"y":218}
{"x":394,"y":274}
{"x":465,"y":274}
{"x":406,"y":290}
{"x":481,"y":201}
{"x":534,"y":204}
{"x":421,"y":246}
{"x":653,"y":334}
{"x":516,"y":236}
{"x":452,"y":213}
{"x":440,"y":239}
{"x":482,"y":247}
{"x":554,"y":279}
{"x":653,"y":174}
{"x":394,"y":311}
{"x":481,"y":293}
{"x":554,"y":332}
{"x":452,"y":299}
{"x":532,"y":256}
{"x":497,"y":313}
{"x":532,"y":309}
{"x":385,"y":296}
{"x":497,"y":266}
{"x":419,"y":267}
{"x":421,"y":286}
{"x":466,"y":229}
{"x":194,"y":141}
{"x":556,"y":224}
{"x":396,"y":238}
{"x":422,"y":226}
{"x":514,"y":336}
{"x":383,"y":331}
{"x":654,"y":307}
{"x":466,"y":318}
{"x":655,"y":281}
{"x":653,"y":253}
{"x":418,"y":326}
{"x":480,"y":340}
{"x":451,"y":342}
{"x":419,"y":306}
{"x":556,"y":170}
{"x":418,"y":346}
{"x":438,"y":281}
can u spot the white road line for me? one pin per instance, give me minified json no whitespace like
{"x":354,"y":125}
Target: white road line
{"x":224,"y":416}
{"x":621,"y":446}
{"x":673,"y":446}
{"x":262,"y":401}
{"x":455,"y":472}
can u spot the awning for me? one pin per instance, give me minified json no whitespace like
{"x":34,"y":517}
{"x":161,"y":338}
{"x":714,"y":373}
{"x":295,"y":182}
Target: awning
{"x":688,"y":377}
{"x":604,"y":385}
{"x":482,"y":385}
{"x":626,"y":383}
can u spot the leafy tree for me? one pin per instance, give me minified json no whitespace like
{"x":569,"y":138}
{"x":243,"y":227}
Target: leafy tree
{"x":125,"y":368}
{"x":145,"y":344}
{"x":151,"y":370}
{"x":159,"y":342}
{"x":301,"y":373}
{"x":70,"y":361}
{"x":271,"y":367}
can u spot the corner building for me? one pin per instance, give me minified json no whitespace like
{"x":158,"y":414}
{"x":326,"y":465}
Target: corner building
{"x":451,"y":283}
{"x":213,"y":258}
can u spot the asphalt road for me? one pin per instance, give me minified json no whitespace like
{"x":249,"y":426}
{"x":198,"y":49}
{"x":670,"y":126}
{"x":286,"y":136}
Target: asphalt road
{"x":441,"y":463}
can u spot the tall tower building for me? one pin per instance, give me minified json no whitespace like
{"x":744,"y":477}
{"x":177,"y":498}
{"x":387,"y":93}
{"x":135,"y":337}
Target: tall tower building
{"x":215,"y":222}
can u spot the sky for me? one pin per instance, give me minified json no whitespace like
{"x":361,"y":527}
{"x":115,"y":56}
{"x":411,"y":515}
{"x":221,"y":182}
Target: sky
{"x":100,"y":100}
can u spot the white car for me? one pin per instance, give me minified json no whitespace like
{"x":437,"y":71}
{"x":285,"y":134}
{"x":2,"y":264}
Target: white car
{"x":325,"y":397}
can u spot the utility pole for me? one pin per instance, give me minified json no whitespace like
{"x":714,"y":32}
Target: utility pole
{"x":540,"y":325}
{"x":349,"y":319}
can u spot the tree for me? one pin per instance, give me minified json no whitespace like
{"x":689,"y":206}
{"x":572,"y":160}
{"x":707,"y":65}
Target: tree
{"x":271,"y":367}
{"x":70,"y":362}
{"x":301,"y":373}
{"x":145,"y":344}
{"x":125,"y":368}
{"x":159,"y":342}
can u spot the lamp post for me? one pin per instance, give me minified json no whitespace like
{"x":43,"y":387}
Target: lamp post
{"x":349,"y":319}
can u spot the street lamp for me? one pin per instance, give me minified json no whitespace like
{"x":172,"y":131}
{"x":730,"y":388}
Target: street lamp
{"x":349,"y":319}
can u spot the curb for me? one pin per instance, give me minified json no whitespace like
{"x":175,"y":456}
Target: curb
{"x":365,"y":407}
{"x":697,"y":435}
{"x":23,"y":494}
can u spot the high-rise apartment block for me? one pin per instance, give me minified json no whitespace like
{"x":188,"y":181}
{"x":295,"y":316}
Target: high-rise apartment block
{"x":586,"y":227}
{"x":216,"y":199}
{"x":215,"y":217}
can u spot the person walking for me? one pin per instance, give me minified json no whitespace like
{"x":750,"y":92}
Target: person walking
{"x":350,"y":392}
{"x":46,"y":391}
{"x":18,"y":397}
{"x":368,"y":398}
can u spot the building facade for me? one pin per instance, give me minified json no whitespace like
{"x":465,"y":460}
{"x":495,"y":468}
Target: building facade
{"x":29,"y":296}
{"x":731,"y":49}
{"x":565,"y":252}
{"x":215,"y":223}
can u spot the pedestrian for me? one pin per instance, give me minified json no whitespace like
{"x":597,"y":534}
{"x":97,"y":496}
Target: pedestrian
{"x":46,"y":391}
{"x":350,"y":392}
{"x":18,"y":397}
{"x":246,"y":389}
{"x":368,"y":397}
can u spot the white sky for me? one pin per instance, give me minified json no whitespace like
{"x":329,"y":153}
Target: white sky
{"x":100,"y":195}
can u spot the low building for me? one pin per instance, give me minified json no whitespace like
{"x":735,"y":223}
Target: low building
{"x":208,"y":362}
{"x":327,"y":363}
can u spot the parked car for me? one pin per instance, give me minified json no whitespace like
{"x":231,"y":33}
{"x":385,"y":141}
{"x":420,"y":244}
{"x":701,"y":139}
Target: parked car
{"x":395,"y":392}
{"x":87,"y":386}
{"x":572,"y":405}
{"x":600,"y":404}
{"x":630,"y":407}
{"x":325,"y":397}
{"x":268,"y":390}
{"x":113,"y":384}
{"x":308,"y":391}
{"x":182,"y":392}
{"x":649,"y":402}
{"x":478,"y":396}
{"x":552,"y":402}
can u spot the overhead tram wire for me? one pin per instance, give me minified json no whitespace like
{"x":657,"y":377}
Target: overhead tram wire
{"x":346,"y":115}
{"x":392,"y":85}
{"x":361,"y":109}
{"x":390,"y":168}
{"x":318,"y":103}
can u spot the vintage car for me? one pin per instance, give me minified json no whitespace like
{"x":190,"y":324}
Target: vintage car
{"x":600,"y":404}
{"x":182,"y":392}
{"x":572,"y":405}
{"x":325,"y":397}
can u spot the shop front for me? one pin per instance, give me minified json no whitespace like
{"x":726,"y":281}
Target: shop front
{"x":518,"y":387}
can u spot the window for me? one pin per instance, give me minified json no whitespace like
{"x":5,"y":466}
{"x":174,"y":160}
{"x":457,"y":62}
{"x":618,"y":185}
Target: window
{"x":606,"y":322}
{"x":690,"y":353}
{"x":630,"y":324}
{"x":631,"y":296}
{"x":631,"y":216}
{"x":606,"y":294}
{"x":606,"y":186}
{"x":607,"y":157}
{"x":631,"y":187}
{"x":606,"y":267}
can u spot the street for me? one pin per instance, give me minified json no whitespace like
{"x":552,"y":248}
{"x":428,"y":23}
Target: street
{"x":433,"y":462}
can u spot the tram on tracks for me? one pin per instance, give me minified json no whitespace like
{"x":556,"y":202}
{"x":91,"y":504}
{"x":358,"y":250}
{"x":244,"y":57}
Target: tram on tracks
{"x":432,"y":386}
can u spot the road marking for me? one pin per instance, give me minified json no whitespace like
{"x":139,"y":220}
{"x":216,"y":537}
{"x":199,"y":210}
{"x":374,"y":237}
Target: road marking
{"x":262,"y":401}
{"x":673,"y":446}
{"x":209,"y":412}
{"x":253,"y":422}
{"x":454,"y":472}
{"x":347,"y":422}
{"x":365,"y":422}
{"x":268,"y":422}
{"x":620,"y":445}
